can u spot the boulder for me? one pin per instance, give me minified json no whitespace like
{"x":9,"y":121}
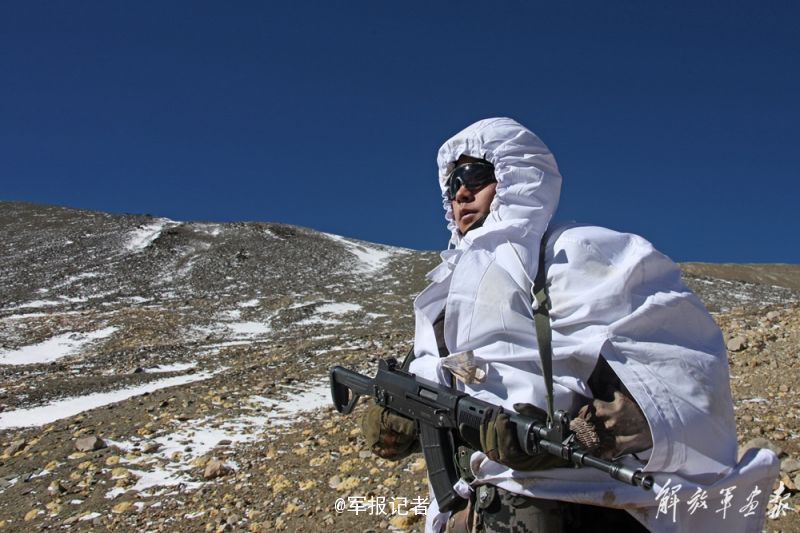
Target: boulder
{"x":737,"y":344}
{"x":88,"y":444}
{"x":214,"y":469}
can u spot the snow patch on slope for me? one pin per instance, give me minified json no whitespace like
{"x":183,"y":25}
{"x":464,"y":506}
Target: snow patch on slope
{"x":69,"y":343}
{"x":39,"y":416}
{"x":144,"y":235}
{"x":370,"y":260}
{"x":323,"y":312}
{"x":172,"y":463}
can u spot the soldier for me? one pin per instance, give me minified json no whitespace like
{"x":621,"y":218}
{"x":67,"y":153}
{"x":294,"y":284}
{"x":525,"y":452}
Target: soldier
{"x":637,"y":359}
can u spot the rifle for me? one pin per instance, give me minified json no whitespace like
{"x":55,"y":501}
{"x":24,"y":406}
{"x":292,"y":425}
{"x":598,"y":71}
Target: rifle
{"x":440,"y":411}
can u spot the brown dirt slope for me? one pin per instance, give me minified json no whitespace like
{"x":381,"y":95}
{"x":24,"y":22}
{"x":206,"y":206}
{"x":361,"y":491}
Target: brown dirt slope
{"x":778,"y":274}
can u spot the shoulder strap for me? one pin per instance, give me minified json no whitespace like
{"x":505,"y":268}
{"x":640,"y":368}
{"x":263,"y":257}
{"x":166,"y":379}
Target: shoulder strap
{"x":541,"y":320}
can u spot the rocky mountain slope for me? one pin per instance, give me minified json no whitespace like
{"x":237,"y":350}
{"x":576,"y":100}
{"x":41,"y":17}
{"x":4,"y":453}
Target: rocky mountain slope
{"x":165,"y":375}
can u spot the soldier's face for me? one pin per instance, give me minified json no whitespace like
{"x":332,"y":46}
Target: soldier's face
{"x":471,"y":205}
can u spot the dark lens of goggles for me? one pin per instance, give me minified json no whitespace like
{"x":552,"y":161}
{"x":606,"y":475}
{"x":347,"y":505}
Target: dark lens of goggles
{"x":473,"y":176}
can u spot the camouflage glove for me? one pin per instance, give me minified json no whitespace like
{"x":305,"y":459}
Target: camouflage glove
{"x":611,"y":429}
{"x":499,"y":440}
{"x":389,"y":435}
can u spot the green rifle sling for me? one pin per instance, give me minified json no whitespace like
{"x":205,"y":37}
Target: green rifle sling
{"x":544,"y":335}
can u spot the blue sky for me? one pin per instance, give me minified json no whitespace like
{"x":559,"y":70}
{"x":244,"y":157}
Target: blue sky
{"x":674,"y":120}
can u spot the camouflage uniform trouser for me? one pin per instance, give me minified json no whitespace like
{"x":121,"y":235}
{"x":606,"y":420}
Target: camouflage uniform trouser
{"x":495,"y":510}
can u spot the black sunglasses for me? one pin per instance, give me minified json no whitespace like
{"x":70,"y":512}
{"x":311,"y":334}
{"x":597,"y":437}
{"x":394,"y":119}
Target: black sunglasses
{"x":473,"y":176}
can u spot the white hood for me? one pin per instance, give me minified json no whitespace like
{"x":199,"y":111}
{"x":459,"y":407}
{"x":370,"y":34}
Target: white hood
{"x":528,"y":181}
{"x":504,"y":252}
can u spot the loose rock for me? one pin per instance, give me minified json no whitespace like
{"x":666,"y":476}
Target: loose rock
{"x":737,"y":344}
{"x":88,"y":444}
{"x":121,"y":507}
{"x":15,"y":447}
{"x":151,"y":447}
{"x":790,"y":465}
{"x":56,"y":488}
{"x":215,"y":469}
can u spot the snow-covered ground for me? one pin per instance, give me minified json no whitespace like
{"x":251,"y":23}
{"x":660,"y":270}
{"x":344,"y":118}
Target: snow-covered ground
{"x":172,"y":462}
{"x":249,"y":329}
{"x":45,"y":414}
{"x":369,"y":260}
{"x":304,"y":397}
{"x":143,"y":236}
{"x":338,"y":308}
{"x":326,"y":313}
{"x":35,"y":304}
{"x":69,"y":343}
{"x":175,"y":367}
{"x":230,"y":326}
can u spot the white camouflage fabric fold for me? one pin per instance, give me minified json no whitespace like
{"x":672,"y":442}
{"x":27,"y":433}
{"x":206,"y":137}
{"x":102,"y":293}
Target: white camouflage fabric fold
{"x":612,"y":294}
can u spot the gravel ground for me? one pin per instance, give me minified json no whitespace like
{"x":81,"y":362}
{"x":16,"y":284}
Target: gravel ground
{"x":290,"y":474}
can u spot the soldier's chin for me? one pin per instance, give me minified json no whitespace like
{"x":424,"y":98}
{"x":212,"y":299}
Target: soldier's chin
{"x":465,"y":224}
{"x":466,"y":220}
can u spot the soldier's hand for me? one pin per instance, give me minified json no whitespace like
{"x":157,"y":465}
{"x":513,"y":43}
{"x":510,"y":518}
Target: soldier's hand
{"x":499,"y":440}
{"x":611,"y":429}
{"x":389,"y":435}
